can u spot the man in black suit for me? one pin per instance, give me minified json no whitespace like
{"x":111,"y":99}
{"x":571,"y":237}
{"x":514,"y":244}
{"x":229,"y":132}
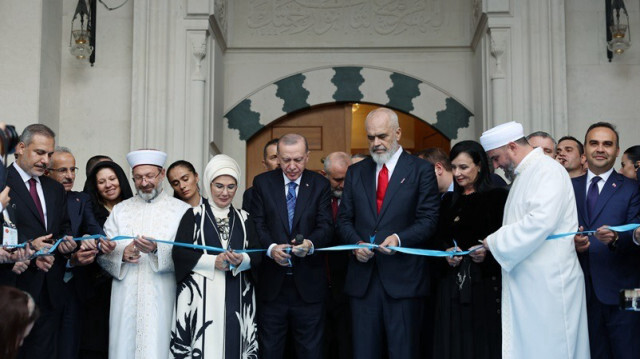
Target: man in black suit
{"x":389,"y":200}
{"x":287,"y":203}
{"x":77,"y":277}
{"x":40,"y":213}
{"x":338,"y":325}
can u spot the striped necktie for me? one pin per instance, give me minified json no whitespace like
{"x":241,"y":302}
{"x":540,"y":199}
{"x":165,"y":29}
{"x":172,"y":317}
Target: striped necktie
{"x":291,"y":203}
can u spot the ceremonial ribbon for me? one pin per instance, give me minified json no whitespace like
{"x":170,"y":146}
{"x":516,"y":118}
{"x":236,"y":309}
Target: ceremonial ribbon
{"x":345,"y":247}
{"x":622,"y":228}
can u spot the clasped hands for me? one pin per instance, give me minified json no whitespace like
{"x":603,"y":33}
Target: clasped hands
{"x":365,"y":254}
{"x":603,"y":234}
{"x":131,"y":253}
{"x":477,"y":255}
{"x":225,"y":260}
{"x":280,"y":255}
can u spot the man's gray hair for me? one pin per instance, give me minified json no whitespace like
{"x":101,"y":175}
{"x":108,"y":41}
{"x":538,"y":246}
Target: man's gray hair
{"x":63,"y":150}
{"x":393,"y":117}
{"x":339,"y":158}
{"x":291,"y":139}
{"x":35,"y":129}
{"x":543,"y":135}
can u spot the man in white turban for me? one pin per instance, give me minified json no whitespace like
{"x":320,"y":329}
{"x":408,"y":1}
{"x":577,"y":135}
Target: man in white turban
{"x":144,"y":287}
{"x":543,"y":297}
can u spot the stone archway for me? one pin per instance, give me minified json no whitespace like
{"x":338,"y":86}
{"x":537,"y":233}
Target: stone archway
{"x":349,"y":84}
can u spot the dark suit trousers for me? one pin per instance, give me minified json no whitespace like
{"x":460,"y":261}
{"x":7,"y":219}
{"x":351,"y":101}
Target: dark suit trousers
{"x":379,"y":318}
{"x":613,"y":333}
{"x":71,"y":325}
{"x":42,"y":342}
{"x":289,"y":312}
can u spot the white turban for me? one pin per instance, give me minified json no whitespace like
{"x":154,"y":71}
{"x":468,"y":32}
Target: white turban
{"x":219,"y":165}
{"x":146,"y":157}
{"x":501,"y":135}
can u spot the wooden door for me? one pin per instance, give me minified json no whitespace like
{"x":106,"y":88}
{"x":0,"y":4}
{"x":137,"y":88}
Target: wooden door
{"x":326,"y":127}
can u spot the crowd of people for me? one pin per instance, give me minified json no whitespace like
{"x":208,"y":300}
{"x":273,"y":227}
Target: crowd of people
{"x":121,"y":272}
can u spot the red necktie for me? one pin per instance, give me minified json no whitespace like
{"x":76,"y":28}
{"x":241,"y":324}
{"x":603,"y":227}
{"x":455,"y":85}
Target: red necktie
{"x":334,"y":207}
{"x":36,"y":199}
{"x":383,"y":182}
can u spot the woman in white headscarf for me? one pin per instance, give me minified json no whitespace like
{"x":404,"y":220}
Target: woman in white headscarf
{"x":215,"y":306}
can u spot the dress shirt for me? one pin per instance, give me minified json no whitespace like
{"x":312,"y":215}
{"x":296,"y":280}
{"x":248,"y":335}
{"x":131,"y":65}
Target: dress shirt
{"x":604,"y":177}
{"x":25,"y":179}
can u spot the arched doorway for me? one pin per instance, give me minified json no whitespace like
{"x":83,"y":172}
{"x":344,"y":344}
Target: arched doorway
{"x":337,"y":127}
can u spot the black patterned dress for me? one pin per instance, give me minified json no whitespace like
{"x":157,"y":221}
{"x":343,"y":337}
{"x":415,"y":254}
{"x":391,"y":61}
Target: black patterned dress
{"x":215,"y":311}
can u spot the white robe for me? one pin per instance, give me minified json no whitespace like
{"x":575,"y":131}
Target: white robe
{"x":143,"y":294}
{"x":543,"y":294}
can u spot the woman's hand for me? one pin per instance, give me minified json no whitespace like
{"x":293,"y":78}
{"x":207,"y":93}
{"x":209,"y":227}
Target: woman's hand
{"x":453,"y":261}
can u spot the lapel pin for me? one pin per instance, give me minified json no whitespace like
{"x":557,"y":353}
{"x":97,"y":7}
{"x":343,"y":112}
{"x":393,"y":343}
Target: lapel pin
{"x":402,"y":180}
{"x":614,"y":185}
{"x":306,"y":184}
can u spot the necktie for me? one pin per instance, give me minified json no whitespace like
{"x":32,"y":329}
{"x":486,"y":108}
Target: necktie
{"x":36,"y":199}
{"x":383,"y":182}
{"x":592,"y":196}
{"x":334,"y":207}
{"x":291,"y":202}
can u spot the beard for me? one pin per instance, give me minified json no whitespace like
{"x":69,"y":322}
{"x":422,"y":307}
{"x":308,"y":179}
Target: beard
{"x":386,"y":156}
{"x":510,"y":172}
{"x":337,"y":193}
{"x":148,"y":197}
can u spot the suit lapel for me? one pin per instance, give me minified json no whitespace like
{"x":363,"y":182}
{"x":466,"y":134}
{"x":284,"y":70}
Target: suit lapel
{"x":581,"y":200}
{"x":19,"y":189}
{"x":304,"y":192}
{"x":277,"y":188}
{"x":400,"y":173}
{"x":48,"y":192}
{"x":610,"y":187}
{"x":75,"y":209}
{"x":368,"y":178}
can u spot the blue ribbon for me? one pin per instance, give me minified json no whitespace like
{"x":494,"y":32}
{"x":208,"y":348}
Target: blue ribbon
{"x":346,"y":247}
{"x":622,"y":228}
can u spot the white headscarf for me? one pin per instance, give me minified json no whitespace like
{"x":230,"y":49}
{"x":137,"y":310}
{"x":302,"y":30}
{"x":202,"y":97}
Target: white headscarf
{"x":219,"y":165}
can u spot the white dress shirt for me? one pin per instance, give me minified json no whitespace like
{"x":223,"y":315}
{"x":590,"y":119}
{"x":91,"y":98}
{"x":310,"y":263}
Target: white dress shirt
{"x":25,"y":179}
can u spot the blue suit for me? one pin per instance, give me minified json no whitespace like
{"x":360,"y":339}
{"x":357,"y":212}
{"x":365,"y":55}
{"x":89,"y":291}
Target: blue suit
{"x":608,"y":269}
{"x":409,"y":209}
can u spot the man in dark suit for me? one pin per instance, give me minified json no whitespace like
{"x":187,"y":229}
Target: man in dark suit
{"x":77,"y":280}
{"x":609,"y":259}
{"x":287,"y":203}
{"x":338,"y":325}
{"x":390,"y":200}
{"x":40,"y":204}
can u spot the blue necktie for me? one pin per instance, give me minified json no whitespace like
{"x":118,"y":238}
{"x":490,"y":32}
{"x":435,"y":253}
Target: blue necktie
{"x":291,"y":202}
{"x":592,"y":196}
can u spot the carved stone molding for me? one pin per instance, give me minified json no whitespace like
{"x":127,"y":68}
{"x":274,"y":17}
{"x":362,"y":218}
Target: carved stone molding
{"x":199,"y":51}
{"x":498,"y":47}
{"x":220,"y":13}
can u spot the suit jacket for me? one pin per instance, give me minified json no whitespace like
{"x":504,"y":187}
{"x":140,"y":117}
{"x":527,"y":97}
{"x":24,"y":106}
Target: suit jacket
{"x":29,"y":225}
{"x":610,"y":270}
{"x":312,"y":219}
{"x":410,"y":209}
{"x":81,"y":217}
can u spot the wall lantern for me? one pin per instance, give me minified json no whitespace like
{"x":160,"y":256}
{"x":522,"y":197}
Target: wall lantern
{"x":618,"y":32}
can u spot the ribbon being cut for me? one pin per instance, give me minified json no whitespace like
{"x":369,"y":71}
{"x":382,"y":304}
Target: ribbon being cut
{"x":346,"y":247}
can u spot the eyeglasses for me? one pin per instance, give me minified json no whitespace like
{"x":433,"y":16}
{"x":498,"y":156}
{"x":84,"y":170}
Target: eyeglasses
{"x":148,"y":177}
{"x":62,"y":170}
